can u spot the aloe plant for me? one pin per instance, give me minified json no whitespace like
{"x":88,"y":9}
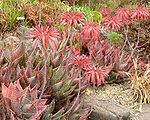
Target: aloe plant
{"x":23,"y":103}
{"x":119,"y":61}
{"x":62,"y":89}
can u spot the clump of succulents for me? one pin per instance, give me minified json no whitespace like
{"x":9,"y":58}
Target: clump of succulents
{"x":26,"y":83}
{"x":47,"y":83}
{"x":22,"y":103}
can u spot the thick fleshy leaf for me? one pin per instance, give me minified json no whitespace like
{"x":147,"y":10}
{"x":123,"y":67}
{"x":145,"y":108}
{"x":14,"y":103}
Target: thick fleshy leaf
{"x":47,"y":114}
{"x":59,"y":113}
{"x":67,"y":93}
{"x":34,"y":93}
{"x":7,"y":54}
{"x":71,"y":18}
{"x":57,"y":86}
{"x":20,"y":51}
{"x":58,"y":74}
{"x":6,"y":93}
{"x":94,"y":73}
{"x":81,"y":88}
{"x":90,"y":30}
{"x":112,"y":23}
{"x":45,"y":34}
{"x":139,"y":13}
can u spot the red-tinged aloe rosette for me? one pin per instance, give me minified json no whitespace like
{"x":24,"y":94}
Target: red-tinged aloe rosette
{"x":23,"y":102}
{"x":123,"y":13}
{"x":80,"y":61}
{"x":142,"y":63}
{"x":90,"y":30}
{"x":106,"y":11}
{"x":75,"y":52}
{"x":45,"y":34}
{"x":127,"y":22}
{"x":51,"y":21}
{"x":112,"y":23}
{"x":71,"y":18}
{"x":96,"y":74}
{"x":139,"y":13}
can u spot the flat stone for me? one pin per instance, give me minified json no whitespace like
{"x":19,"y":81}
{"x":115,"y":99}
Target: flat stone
{"x":146,"y":112}
{"x":105,"y":110}
{"x":10,"y":38}
{"x":23,"y":32}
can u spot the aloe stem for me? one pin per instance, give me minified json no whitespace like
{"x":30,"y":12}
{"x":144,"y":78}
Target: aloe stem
{"x":69,"y":57}
{"x":45,"y":69}
{"x":90,"y":11}
{"x":126,"y":39}
{"x":39,"y":13}
{"x":110,"y":45}
{"x":55,"y":8}
{"x":69,"y":53}
{"x":74,"y":6}
{"x":143,"y":44}
{"x":138,"y":35}
{"x":136,"y":45}
{"x":55,"y":11}
{"x":64,"y":48}
{"x":30,"y":57}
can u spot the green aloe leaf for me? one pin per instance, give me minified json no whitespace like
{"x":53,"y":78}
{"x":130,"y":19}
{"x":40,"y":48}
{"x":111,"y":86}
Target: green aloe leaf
{"x":57,"y":86}
{"x":70,"y":91}
{"x":59,"y":113}
{"x":66,"y":86}
{"x":49,"y":110}
{"x":74,"y":116}
{"x":57,"y":74}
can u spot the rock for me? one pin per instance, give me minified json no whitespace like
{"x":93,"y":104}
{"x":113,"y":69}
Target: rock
{"x":145,"y":112}
{"x":22,"y":33}
{"x":10,"y":38}
{"x":20,"y":36}
{"x":106,"y":110}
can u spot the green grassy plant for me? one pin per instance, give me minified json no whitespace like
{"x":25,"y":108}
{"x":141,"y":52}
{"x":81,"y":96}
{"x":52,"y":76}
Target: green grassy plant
{"x":116,"y":38}
{"x":9,"y":18}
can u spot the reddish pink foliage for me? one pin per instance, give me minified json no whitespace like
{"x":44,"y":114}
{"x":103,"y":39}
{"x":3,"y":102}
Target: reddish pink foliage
{"x":106,"y":11}
{"x":142,"y":64}
{"x":98,"y":74}
{"x":139,"y":13}
{"x":80,"y":61}
{"x":75,"y":52}
{"x":90,"y":30}
{"x":127,"y":22}
{"x":51,"y":20}
{"x":123,"y":13}
{"x":112,"y":23}
{"x":14,"y":97}
{"x":11,"y":91}
{"x":45,"y":34}
{"x":41,"y":0}
{"x":71,"y":18}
